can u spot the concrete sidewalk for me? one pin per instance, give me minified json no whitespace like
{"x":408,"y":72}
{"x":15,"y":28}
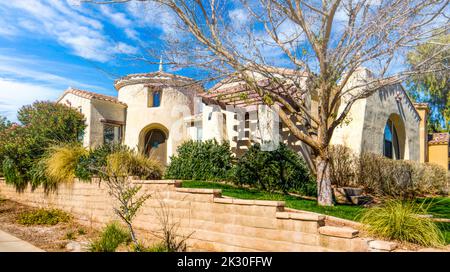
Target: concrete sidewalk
{"x":9,"y":243}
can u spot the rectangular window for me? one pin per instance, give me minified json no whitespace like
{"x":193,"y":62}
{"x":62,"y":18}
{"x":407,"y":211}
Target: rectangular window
{"x":154,"y":98}
{"x":112,"y":133}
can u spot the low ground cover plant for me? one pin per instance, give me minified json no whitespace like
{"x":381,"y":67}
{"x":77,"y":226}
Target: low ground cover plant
{"x":43,"y":217}
{"x":112,"y":236}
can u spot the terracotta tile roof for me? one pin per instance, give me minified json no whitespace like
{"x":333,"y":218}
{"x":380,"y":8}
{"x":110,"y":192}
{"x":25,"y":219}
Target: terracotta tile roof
{"x":92,"y":95}
{"x":154,"y":77}
{"x":439,"y":138}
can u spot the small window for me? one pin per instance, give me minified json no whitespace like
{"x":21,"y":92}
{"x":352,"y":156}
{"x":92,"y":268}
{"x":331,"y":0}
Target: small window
{"x":112,"y":134}
{"x":154,"y":98}
{"x":247,"y":120}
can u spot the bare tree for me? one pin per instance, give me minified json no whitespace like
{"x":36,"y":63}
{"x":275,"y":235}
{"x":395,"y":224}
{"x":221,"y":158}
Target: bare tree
{"x":323,"y":43}
{"x":125,"y":192}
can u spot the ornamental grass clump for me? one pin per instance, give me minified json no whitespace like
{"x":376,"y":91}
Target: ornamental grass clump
{"x":62,"y":161}
{"x":129,"y":163}
{"x":403,"y":221}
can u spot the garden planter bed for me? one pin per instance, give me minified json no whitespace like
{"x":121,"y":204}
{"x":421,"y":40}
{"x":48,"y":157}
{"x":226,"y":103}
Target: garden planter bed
{"x":49,"y":238}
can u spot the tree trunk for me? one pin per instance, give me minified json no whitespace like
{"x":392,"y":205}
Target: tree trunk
{"x":324,"y":192}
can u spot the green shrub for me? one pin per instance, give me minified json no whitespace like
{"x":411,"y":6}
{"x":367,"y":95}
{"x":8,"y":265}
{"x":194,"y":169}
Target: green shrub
{"x":39,"y":177}
{"x":401,"y":220}
{"x":43,"y":124}
{"x":12,"y":174}
{"x":89,"y":165}
{"x":197,"y":160}
{"x":281,"y":169}
{"x":111,"y":237}
{"x":129,"y":163}
{"x":43,"y":217}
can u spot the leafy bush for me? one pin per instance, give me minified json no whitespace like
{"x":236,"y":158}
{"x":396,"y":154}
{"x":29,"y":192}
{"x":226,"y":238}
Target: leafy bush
{"x":401,"y":220}
{"x":12,"y":174}
{"x":197,"y":160}
{"x":43,"y":217}
{"x":43,"y":124}
{"x":129,"y":163}
{"x":111,"y":237}
{"x":89,"y":165}
{"x":281,"y":169}
{"x":38,"y":174}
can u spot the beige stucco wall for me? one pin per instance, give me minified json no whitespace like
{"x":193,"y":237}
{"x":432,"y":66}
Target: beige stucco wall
{"x":176,"y":104}
{"x":84,"y":106}
{"x":215,"y":223}
{"x":439,"y":154}
{"x":104,"y":110}
{"x":363,"y":129}
{"x":380,"y":107}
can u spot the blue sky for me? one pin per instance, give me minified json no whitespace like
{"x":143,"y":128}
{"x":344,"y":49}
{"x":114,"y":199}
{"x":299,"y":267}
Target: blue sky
{"x":48,"y":45}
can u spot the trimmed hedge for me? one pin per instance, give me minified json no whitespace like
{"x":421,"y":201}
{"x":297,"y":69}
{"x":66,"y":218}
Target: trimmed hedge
{"x":197,"y":160}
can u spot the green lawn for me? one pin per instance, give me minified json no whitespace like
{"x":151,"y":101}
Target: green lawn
{"x":440,"y":206}
{"x":342,"y":211}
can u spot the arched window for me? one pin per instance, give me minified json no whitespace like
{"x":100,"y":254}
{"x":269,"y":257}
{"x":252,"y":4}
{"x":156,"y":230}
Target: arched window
{"x":391,"y":148}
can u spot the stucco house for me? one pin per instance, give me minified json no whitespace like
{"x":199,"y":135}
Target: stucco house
{"x":155,"y":112}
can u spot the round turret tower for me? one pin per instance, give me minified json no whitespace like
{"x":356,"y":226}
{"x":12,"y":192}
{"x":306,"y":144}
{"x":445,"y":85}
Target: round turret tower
{"x":157,"y":104}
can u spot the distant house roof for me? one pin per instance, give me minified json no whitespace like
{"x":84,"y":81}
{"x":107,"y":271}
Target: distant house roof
{"x":91,"y":95}
{"x":439,"y":138}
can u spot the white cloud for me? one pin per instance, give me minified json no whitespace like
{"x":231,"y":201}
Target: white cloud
{"x":153,"y":15}
{"x":117,"y":18}
{"x":131,"y":33}
{"x":22,"y":69}
{"x":57,"y":20}
{"x":15,"y":94}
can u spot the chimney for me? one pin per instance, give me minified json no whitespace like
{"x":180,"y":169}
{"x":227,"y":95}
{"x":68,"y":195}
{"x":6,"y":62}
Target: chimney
{"x":423,"y":110}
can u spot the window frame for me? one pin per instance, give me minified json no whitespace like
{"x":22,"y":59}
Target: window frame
{"x":120,"y":132}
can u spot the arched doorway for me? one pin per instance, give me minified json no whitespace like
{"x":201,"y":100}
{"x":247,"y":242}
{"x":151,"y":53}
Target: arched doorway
{"x":155,"y":144}
{"x":394,"y":138}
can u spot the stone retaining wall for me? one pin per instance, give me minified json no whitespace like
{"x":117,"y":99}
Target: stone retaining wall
{"x":214,"y":222}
